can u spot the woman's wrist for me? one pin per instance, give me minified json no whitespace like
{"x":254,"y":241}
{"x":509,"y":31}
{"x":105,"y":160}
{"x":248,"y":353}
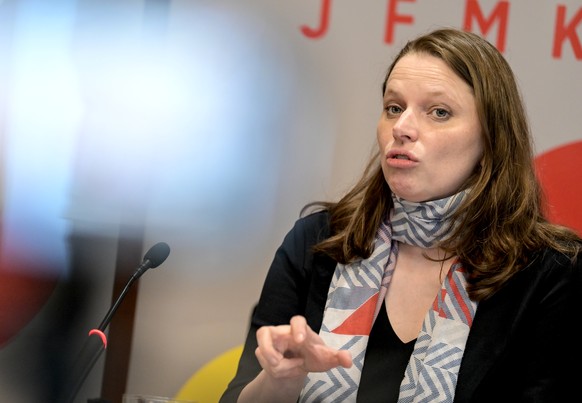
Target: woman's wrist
{"x":265,"y":388}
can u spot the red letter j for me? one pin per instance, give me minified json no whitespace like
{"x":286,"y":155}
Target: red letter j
{"x":323,"y":23}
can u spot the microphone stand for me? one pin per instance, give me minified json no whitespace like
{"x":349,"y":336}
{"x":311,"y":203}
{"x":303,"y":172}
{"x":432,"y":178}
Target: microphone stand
{"x":97,"y":343}
{"x":94,"y":346}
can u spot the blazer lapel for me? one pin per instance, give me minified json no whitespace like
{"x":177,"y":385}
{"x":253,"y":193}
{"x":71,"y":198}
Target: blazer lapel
{"x":492,"y":329}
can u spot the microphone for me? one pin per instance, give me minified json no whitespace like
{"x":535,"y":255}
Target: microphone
{"x":93,"y":348}
{"x":154,"y":257}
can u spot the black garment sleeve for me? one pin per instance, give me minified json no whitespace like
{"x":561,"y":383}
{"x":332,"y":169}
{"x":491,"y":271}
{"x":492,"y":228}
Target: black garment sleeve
{"x":523,"y":345}
{"x":296,"y":284}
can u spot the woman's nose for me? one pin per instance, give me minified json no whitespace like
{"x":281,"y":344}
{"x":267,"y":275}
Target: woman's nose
{"x":406,"y":127}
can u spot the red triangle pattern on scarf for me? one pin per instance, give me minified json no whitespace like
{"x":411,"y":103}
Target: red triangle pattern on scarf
{"x":359,"y":323}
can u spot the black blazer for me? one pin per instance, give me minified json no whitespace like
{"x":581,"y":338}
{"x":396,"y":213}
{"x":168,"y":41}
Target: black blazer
{"x":523,"y":345}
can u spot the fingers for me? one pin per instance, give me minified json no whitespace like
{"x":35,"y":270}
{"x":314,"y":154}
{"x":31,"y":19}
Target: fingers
{"x":321,"y":358}
{"x":271,"y":348}
{"x":284,"y":341}
{"x":273,"y":345}
{"x":299,"y":329}
{"x":284,"y":368}
{"x":287,"y":350}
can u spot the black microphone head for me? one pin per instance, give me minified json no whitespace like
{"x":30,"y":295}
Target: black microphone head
{"x":157,"y":254}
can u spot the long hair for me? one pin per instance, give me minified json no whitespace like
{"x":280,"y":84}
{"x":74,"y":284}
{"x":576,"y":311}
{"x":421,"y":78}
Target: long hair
{"x":501,"y":225}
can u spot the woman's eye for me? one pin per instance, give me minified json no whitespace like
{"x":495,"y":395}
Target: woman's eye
{"x":441,"y":113}
{"x":393,"y":110}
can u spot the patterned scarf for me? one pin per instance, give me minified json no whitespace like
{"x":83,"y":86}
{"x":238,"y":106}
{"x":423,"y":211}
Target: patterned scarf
{"x":355,"y":296}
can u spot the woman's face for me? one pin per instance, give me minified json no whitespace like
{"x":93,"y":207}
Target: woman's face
{"x":429,"y":132}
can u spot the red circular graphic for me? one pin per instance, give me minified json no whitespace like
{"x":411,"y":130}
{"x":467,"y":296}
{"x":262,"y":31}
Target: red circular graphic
{"x":560,"y":171}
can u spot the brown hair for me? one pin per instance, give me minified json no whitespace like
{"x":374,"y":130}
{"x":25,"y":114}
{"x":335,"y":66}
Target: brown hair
{"x":501,"y":223}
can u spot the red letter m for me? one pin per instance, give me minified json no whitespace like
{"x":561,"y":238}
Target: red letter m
{"x":500,"y":12}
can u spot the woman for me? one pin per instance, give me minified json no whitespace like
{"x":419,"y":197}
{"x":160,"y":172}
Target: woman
{"x":437,"y":277}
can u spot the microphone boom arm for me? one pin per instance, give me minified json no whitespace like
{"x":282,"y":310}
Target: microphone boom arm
{"x":94,"y":346}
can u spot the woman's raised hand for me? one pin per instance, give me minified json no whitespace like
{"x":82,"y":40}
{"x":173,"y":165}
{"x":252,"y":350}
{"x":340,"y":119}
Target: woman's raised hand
{"x":289,"y":351}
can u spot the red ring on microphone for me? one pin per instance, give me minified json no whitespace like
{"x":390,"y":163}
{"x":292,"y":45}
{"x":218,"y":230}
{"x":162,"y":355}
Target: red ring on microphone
{"x":100,"y":334}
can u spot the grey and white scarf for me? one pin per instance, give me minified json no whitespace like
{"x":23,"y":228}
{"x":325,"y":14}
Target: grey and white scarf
{"x":355,"y":296}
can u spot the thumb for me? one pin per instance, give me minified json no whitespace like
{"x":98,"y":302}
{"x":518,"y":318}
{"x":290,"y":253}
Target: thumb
{"x":344,"y":358}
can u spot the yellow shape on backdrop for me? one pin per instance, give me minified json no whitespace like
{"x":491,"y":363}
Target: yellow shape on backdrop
{"x":209,"y":382}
